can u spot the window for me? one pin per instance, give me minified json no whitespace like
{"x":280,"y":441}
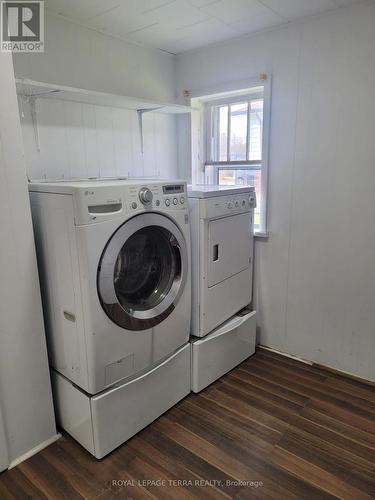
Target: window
{"x":236,"y":132}
{"x":236,"y":144}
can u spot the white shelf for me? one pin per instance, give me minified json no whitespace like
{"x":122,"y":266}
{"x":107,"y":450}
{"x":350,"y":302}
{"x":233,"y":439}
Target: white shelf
{"x":31,"y":88}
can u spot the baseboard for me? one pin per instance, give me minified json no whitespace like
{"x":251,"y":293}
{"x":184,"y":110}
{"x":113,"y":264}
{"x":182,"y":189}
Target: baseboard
{"x":296,"y":358}
{"x":33,"y":451}
{"x":345,"y":374}
{"x":322,"y":367}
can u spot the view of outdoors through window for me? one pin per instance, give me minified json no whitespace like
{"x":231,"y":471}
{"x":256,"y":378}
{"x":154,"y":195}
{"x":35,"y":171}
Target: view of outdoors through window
{"x":237,"y":136}
{"x":238,"y":131}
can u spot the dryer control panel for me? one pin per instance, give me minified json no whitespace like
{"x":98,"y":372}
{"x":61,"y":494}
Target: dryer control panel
{"x":219,"y":206}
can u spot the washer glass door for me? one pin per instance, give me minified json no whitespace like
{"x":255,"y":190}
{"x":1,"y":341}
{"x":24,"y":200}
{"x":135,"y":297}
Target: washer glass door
{"x":142,"y":271}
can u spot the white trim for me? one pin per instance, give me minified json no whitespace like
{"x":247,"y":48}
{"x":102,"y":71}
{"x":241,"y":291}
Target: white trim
{"x":329,"y":368}
{"x":286,"y":355}
{"x":229,"y":98}
{"x":267,"y":97}
{"x":207,"y":131}
{"x":236,"y":86}
{"x":34,"y":451}
{"x":261,"y":234}
{"x":4,"y":455}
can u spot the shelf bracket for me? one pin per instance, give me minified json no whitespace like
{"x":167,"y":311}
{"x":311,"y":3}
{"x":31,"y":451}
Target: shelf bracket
{"x":140,"y":113}
{"x":34,"y":118}
{"x":41,"y":94}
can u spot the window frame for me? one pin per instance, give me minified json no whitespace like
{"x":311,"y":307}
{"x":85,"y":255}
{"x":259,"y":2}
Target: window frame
{"x":228,"y":101}
{"x":233,"y":91}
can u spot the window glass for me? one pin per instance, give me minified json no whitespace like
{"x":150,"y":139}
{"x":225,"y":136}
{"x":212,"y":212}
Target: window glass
{"x":146,"y":268}
{"x":223,"y":133}
{"x":238,"y":131}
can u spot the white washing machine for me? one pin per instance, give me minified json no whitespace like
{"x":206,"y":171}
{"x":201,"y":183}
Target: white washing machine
{"x":221,"y":219}
{"x":114,"y":263}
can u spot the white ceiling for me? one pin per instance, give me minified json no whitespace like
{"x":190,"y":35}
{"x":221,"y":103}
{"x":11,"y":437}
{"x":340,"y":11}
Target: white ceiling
{"x":179,"y":25}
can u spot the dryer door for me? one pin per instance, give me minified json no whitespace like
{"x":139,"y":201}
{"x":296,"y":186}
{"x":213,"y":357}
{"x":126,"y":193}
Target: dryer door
{"x":142,"y":271}
{"x":229,"y":247}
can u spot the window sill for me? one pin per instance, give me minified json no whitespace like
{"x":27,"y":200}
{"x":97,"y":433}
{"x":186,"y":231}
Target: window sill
{"x":261,"y":234}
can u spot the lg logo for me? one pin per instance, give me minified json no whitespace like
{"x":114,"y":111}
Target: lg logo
{"x":22,"y":26}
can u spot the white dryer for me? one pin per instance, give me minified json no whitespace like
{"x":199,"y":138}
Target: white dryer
{"x":114,"y":263}
{"x":221,"y":220}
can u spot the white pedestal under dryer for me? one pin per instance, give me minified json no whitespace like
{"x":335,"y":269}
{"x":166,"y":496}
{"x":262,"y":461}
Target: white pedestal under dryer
{"x":221,"y":219}
{"x":114,"y":265}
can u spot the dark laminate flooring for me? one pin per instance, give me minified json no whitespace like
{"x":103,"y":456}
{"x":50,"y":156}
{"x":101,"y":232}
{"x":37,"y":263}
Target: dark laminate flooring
{"x":271,"y":428}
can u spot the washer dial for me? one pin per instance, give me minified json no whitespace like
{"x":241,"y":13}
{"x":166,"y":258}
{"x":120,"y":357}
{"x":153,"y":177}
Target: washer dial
{"x":145,"y":195}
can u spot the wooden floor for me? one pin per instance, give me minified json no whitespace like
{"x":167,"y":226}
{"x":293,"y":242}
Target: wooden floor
{"x":272,"y":428}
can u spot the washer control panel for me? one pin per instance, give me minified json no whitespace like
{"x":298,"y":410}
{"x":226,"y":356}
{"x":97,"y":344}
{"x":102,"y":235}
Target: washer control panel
{"x":105,"y":200}
{"x":227,"y":205}
{"x":174,"y":195}
{"x":162,"y":196}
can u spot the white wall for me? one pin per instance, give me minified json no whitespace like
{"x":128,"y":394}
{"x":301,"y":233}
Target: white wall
{"x":315,"y":275}
{"x":83,"y":140}
{"x":25,"y":392}
{"x":79,"y":57}
{"x":80,"y":140}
